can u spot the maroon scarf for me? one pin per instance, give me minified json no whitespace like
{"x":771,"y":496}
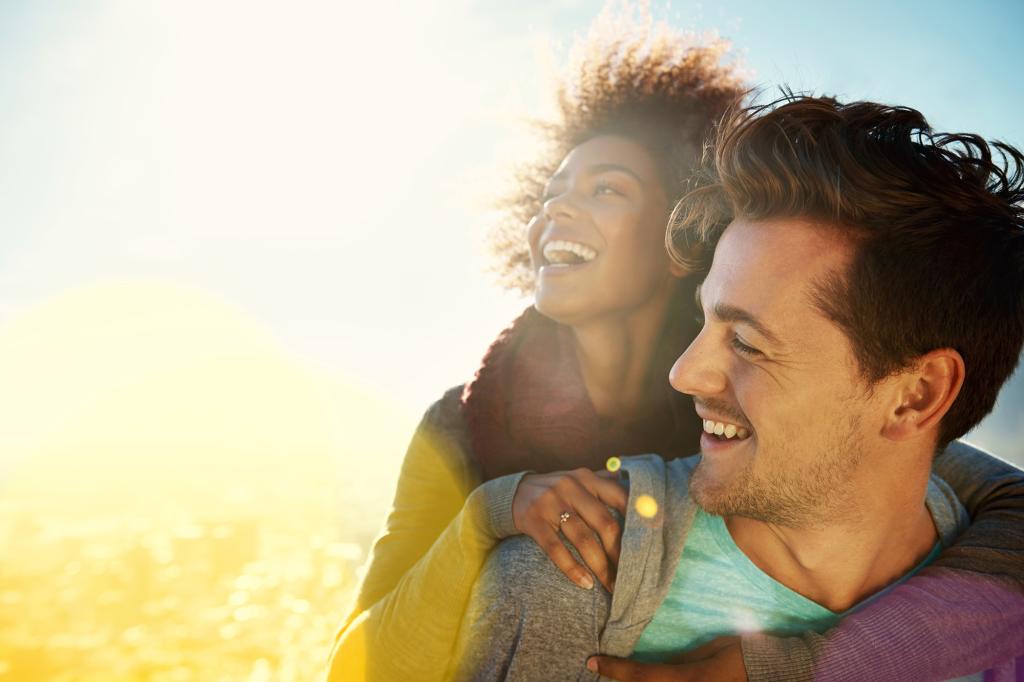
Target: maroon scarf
{"x":527,"y":407}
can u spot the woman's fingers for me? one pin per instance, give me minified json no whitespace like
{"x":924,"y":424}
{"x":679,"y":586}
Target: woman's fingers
{"x":590,"y":550}
{"x":594,"y":513}
{"x":549,"y":541}
{"x":605,"y":486}
{"x":582,"y":498}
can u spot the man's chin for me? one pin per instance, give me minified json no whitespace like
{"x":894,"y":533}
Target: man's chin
{"x":709,"y":490}
{"x":725,"y":486}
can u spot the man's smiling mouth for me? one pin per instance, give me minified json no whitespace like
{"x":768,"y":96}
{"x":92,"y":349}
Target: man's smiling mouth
{"x":725,"y":430}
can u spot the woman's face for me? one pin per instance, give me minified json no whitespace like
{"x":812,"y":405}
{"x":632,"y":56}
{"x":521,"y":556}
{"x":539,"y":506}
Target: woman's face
{"x":598,"y":244}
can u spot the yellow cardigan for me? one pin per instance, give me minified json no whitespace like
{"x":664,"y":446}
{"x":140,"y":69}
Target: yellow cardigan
{"x":424,"y":563}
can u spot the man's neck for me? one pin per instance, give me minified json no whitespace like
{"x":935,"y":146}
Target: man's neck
{"x":843,"y":562}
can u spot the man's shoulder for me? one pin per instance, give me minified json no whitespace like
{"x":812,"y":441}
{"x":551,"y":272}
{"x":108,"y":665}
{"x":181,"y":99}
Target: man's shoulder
{"x":659,"y":490}
{"x":655,"y":472}
{"x":526,"y":620}
{"x":520,"y":581}
{"x":519,"y":558}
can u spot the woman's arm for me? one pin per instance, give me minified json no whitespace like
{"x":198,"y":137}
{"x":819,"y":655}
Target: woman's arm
{"x":422,"y":568}
{"x":961,"y":615}
{"x":993,"y":493}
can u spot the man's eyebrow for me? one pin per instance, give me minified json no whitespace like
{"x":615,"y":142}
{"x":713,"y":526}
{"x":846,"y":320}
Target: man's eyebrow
{"x":731,"y":313}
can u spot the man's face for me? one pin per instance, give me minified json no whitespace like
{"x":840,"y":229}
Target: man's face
{"x":777,"y":379}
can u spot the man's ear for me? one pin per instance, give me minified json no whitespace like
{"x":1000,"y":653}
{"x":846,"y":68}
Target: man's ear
{"x":925,"y":394}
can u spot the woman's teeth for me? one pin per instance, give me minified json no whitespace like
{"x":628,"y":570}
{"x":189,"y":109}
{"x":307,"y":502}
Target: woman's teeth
{"x":568,"y":253}
{"x":725,"y":430}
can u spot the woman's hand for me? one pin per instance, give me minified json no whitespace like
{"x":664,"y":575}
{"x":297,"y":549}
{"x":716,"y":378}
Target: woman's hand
{"x":574,"y":503}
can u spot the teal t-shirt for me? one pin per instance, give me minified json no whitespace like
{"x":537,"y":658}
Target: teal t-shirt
{"x":718,"y":591}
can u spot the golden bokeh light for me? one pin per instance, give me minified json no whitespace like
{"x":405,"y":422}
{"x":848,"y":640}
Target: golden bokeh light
{"x":168,"y":488}
{"x":646,"y":506}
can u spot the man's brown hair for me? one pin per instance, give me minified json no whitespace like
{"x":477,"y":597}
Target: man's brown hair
{"x":936,"y":220}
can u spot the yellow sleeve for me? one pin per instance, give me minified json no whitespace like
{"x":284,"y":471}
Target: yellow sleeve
{"x":422,"y":568}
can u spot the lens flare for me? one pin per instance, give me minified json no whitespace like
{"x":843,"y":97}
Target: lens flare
{"x":613,"y":464}
{"x":646,"y":506}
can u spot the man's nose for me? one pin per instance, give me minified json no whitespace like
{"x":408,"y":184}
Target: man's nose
{"x":699,"y":371}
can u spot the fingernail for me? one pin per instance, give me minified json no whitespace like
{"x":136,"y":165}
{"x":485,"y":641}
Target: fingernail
{"x":586,"y":582}
{"x":592,"y":664}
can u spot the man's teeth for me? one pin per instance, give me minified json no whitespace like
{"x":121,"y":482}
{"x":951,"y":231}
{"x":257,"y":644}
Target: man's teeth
{"x":563,"y":252}
{"x":726,"y":430}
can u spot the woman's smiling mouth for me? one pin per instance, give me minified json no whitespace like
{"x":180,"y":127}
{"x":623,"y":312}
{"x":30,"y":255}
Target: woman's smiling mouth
{"x":562,"y":252}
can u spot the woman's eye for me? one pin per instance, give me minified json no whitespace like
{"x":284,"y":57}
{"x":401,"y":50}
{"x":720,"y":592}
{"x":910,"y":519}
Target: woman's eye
{"x":602,"y":188}
{"x":743,"y":348}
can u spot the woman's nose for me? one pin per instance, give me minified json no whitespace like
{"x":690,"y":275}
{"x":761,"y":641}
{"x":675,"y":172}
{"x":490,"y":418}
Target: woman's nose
{"x":561,"y":205}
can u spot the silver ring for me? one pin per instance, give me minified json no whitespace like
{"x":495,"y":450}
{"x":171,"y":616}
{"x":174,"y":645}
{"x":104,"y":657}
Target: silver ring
{"x":563,"y":517}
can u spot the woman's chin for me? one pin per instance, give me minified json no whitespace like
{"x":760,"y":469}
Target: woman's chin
{"x":563,"y":308}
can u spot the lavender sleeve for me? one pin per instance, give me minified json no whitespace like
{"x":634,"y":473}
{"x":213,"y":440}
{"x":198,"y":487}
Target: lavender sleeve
{"x":961,"y":615}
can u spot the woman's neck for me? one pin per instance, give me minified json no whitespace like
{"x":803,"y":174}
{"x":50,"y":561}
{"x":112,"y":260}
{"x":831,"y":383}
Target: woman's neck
{"x":614,"y":354}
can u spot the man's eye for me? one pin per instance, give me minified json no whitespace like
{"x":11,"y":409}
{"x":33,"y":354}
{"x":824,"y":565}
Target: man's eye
{"x":743,"y":348}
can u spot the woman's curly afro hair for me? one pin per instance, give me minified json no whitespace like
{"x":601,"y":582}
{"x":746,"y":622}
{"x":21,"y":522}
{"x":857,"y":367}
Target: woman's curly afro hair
{"x":628,"y":76}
